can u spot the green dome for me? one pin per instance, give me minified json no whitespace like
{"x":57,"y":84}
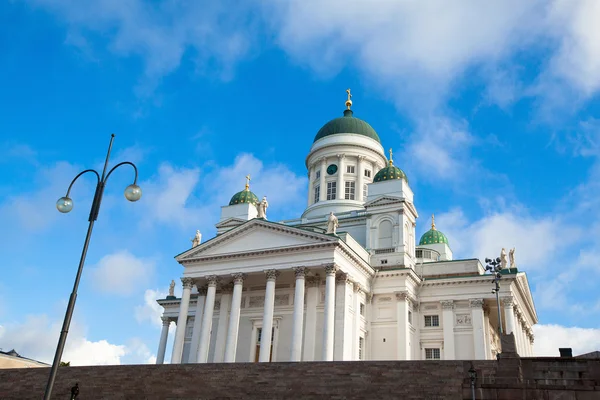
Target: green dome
{"x":245,"y":196}
{"x":433,"y":236}
{"x":390,"y":172}
{"x":347,"y":124}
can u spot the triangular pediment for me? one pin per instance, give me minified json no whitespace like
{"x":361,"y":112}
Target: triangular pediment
{"x":256,"y":235}
{"x":384,"y":201}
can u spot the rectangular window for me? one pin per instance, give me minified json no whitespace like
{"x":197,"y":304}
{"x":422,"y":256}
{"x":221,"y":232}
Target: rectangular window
{"x":318,"y":175}
{"x":331,"y":190}
{"x":362,"y":309}
{"x":349,"y":169}
{"x":432,"y":354}
{"x":368,"y":173}
{"x":365,"y":192}
{"x":361,"y":344}
{"x":384,"y":261}
{"x":432,"y":320}
{"x":350,"y":190}
{"x":410,"y":317}
{"x":317,"y":193}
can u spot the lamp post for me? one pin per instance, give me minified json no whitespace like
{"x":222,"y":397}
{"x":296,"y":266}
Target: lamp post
{"x":473,"y":377}
{"x":494,"y":266}
{"x":64,"y":205}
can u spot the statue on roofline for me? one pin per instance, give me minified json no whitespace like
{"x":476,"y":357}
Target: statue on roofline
{"x":503,"y":258}
{"x":197,"y":239}
{"x":332,"y":223}
{"x":511,"y":256}
{"x":172,"y":288}
{"x":261,"y":207}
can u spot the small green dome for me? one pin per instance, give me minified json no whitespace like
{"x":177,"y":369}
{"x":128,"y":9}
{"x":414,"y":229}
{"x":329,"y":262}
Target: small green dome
{"x":433,"y":236}
{"x":390,"y":172}
{"x":245,"y":196}
{"x":347,"y":124}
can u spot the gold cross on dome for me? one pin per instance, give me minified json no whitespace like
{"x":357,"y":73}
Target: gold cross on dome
{"x":247,"y":181}
{"x":349,"y":101}
{"x":391,"y":160}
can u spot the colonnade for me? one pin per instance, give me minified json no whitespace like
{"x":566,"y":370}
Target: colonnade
{"x":201,"y":333}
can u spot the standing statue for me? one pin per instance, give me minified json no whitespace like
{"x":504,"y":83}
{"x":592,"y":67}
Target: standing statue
{"x":511,"y":256}
{"x":172,"y":288}
{"x":261,"y":207}
{"x":196,"y":240}
{"x":332,"y":223}
{"x":503,"y":258}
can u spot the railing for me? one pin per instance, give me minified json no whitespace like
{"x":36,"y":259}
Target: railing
{"x":384,"y":251}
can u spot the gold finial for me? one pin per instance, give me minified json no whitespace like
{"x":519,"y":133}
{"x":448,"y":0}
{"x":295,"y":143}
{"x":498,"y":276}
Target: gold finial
{"x":348,"y":102}
{"x":432,"y":222}
{"x":248,"y":182}
{"x":391,"y":159}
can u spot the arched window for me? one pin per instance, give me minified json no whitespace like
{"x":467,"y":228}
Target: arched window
{"x":385,"y":235}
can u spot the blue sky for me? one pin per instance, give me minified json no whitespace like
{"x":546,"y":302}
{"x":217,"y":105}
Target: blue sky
{"x":491,"y":111}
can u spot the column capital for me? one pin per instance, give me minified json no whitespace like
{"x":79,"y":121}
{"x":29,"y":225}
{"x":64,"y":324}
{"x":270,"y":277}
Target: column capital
{"x":476,"y":303}
{"x":507,"y":301}
{"x":447,"y":304}
{"x":313,"y":280}
{"x":331,"y":269}
{"x":343,"y":278}
{"x":272,"y":274}
{"x":166,"y":321}
{"x":212,"y":280}
{"x":404,"y":296}
{"x":341,"y":156}
{"x":300,"y":272}
{"x":202,"y":290}
{"x":238,"y":278}
{"x":361,"y":158}
{"x":187,"y":283}
{"x":356,"y":287}
{"x":322,"y":160}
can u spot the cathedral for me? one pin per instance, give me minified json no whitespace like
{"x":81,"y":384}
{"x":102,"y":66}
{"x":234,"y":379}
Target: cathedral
{"x":347,"y":280}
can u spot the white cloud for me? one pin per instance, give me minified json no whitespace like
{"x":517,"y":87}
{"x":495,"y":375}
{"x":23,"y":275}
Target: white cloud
{"x":36,"y":338}
{"x":150,"y":311}
{"x":114,"y":273}
{"x":549,"y":338}
{"x":536,"y":239}
{"x":218,"y":34}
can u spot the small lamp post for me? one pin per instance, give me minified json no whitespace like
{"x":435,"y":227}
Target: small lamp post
{"x":473,"y":377}
{"x":64,"y":205}
{"x":494,"y":266}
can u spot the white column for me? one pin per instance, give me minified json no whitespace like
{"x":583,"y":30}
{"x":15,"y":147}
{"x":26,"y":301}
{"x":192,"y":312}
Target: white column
{"x":162,"y":345}
{"x":448,"y":327}
{"x":267,"y":325}
{"x":340,"y":177}
{"x":360,"y":181}
{"x":310,"y":330}
{"x":343,"y":335}
{"x":182,"y":321}
{"x":311,"y":186}
{"x":323,"y":190}
{"x":193,"y":356}
{"x":222,"y":324}
{"x":478,"y":328}
{"x":356,"y":321}
{"x":509,"y":316}
{"x":329,"y":313}
{"x":207,"y":318}
{"x":403,"y":328}
{"x":300,"y":273}
{"x":234,"y":319}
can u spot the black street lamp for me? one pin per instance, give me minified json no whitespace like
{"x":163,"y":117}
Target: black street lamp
{"x":64,"y":205}
{"x":473,"y":377}
{"x":494,"y":266}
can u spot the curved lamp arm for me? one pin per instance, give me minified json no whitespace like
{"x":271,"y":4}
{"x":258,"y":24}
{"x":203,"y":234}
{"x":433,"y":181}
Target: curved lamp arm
{"x":118,"y":165}
{"x":78,"y":175}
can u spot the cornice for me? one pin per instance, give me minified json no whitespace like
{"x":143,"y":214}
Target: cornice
{"x":408,"y":272}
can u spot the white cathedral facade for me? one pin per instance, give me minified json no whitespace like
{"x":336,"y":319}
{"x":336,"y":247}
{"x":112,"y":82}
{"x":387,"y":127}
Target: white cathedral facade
{"x":298,"y":290}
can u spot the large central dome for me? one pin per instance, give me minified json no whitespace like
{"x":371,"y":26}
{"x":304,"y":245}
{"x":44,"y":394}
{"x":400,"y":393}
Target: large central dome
{"x":347,"y":124}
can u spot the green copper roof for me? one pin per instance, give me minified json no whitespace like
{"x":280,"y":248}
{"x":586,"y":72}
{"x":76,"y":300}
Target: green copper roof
{"x":245,"y":196}
{"x":390,"y":172}
{"x":347,"y":124}
{"x":433,"y":236}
